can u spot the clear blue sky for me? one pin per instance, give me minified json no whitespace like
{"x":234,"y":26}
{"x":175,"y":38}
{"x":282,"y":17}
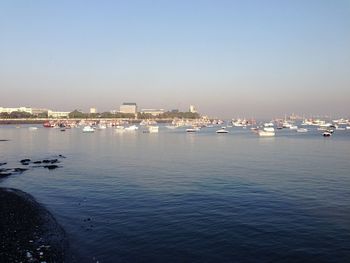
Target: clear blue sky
{"x":229,"y":58}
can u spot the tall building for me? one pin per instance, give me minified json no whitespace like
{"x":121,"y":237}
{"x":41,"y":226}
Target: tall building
{"x":93,"y":110}
{"x":193,"y":109}
{"x":128,"y":107}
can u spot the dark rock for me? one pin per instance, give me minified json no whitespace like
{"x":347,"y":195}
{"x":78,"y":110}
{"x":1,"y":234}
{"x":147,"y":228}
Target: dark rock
{"x":4,"y":174}
{"x":51,"y":166}
{"x":46,"y":161}
{"x":54,"y":161}
{"x":1,"y":164}
{"x":19,"y":170}
{"x":4,"y":140}
{"x":37,"y":162}
{"x":25,"y":161}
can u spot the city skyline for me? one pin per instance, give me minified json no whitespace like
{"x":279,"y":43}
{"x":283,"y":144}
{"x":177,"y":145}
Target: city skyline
{"x":244,"y":58}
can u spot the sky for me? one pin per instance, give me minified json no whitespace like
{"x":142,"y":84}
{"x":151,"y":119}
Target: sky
{"x":247,"y":58}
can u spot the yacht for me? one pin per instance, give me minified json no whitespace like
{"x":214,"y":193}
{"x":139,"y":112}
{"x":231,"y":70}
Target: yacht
{"x":264,"y":133}
{"x":88,"y":129}
{"x":302,"y":130}
{"x":222,"y":131}
{"x":152,"y":129}
{"x":132,"y":128}
{"x":194,"y":129}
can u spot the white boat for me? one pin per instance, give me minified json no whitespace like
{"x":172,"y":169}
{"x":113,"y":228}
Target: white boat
{"x":293,"y":127}
{"x":87,"y":129}
{"x":171,"y":127}
{"x":302,"y":130}
{"x":194,"y":129}
{"x":101,"y":127}
{"x":327,"y":134}
{"x":153,"y":129}
{"x":269,"y":129}
{"x":33,"y":128}
{"x":132,"y":128}
{"x":348,"y":127}
{"x":222,"y":131}
{"x":263,"y":133}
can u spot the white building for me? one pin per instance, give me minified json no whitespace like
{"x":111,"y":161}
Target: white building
{"x":21,"y":109}
{"x":128,"y":108}
{"x":58,"y":114}
{"x":154,"y":112}
{"x":193,"y":109}
{"x":93,"y":110}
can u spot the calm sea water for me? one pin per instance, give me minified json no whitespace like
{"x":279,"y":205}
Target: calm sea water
{"x":177,"y":197}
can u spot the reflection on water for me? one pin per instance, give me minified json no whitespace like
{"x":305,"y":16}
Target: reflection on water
{"x":203,"y":197}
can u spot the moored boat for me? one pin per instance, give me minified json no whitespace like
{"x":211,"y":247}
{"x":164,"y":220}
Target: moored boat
{"x":88,"y":129}
{"x":222,"y":131}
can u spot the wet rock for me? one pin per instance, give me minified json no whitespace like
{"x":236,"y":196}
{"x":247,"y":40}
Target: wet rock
{"x":37,"y":162}
{"x":46,"y":161}
{"x":1,"y":164}
{"x":51,"y":166}
{"x":4,"y":174}
{"x":19,"y":170}
{"x":25,"y":161}
{"x":4,"y":140}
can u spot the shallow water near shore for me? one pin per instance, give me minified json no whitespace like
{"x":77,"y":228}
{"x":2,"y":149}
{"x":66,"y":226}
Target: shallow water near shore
{"x":204,"y":197}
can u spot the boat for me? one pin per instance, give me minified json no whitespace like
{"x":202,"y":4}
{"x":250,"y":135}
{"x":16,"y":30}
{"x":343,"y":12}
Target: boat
{"x":48,"y":125}
{"x":293,"y":127}
{"x":327,"y":134}
{"x":88,"y":129}
{"x":33,"y":128}
{"x":264,"y":133}
{"x":131,"y":128}
{"x":152,"y":129}
{"x":222,"y":131}
{"x":302,"y":130}
{"x":348,"y":127}
{"x":194,"y":129}
{"x":269,"y":129}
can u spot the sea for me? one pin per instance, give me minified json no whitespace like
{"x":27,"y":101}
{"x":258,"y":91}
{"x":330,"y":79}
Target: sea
{"x":173,"y":196}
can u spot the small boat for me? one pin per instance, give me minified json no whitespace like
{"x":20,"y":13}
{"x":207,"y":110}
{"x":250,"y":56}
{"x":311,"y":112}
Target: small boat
{"x":326,"y":134}
{"x":33,"y":128}
{"x":263,"y":133}
{"x":302,"y":130}
{"x":88,"y":129}
{"x":152,"y":129}
{"x":222,"y":131}
{"x":63,"y":129}
{"x":194,"y":129}
{"x":293,"y":127}
{"x":48,"y":125}
{"x":347,"y":127}
{"x":132,"y":128}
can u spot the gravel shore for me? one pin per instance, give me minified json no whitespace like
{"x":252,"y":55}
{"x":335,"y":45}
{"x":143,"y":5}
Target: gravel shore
{"x":28,"y":232}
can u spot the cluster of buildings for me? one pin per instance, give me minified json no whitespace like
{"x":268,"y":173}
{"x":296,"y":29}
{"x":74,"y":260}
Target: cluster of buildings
{"x":126,"y":107}
{"x":36,"y":111}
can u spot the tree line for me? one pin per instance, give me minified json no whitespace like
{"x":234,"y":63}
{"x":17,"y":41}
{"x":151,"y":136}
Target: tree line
{"x":76,"y":114}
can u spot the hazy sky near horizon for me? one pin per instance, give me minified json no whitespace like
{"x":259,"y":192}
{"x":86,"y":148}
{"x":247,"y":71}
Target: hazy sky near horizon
{"x":229,"y":58}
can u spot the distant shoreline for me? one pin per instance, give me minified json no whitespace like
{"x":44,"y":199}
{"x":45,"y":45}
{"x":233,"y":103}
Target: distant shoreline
{"x":42,"y":121}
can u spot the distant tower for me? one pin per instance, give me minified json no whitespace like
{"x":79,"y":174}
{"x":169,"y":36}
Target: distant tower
{"x":93,"y":110}
{"x":193,"y":109}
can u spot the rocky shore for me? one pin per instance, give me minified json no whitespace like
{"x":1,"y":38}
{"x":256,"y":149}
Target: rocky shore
{"x":28,"y":232}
